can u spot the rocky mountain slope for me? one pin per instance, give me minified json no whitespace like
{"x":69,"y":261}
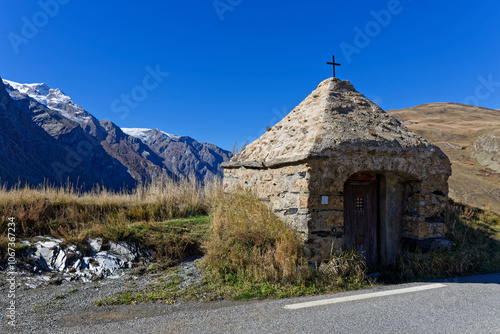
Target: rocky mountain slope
{"x":470,"y":136}
{"x":91,"y":151}
{"x":183,"y":155}
{"x":38,"y":144}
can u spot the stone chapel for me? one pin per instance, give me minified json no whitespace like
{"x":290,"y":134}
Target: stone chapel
{"x":347,"y":175}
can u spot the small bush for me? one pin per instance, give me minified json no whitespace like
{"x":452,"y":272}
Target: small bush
{"x":248,"y":240}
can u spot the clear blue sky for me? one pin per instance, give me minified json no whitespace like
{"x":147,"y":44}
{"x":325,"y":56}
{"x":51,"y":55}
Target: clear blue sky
{"x":235,"y":69}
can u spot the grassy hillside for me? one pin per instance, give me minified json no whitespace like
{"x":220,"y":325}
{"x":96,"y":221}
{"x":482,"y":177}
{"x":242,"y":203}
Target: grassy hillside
{"x":470,"y":136}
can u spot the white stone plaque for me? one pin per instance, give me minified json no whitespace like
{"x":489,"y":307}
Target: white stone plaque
{"x":324,"y":199}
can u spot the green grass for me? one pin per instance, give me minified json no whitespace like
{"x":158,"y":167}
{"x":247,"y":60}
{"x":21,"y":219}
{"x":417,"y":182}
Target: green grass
{"x":165,"y":290}
{"x":170,"y":241}
{"x":48,"y":307}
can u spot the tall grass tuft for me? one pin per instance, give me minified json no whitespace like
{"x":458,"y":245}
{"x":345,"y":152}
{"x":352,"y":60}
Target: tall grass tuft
{"x":247,"y":239}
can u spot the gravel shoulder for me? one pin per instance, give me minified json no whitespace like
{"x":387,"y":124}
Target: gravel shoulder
{"x":51,"y":308}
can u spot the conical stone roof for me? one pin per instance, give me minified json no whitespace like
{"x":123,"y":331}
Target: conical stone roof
{"x":334,"y":117}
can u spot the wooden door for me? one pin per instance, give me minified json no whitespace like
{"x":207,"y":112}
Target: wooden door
{"x":360,"y":219}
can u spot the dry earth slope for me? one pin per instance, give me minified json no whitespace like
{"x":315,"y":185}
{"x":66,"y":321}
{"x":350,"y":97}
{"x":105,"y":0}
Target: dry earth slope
{"x":470,"y":136}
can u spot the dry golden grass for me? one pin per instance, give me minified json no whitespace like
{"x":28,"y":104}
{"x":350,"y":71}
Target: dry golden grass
{"x":67,"y":212}
{"x":248,"y":239}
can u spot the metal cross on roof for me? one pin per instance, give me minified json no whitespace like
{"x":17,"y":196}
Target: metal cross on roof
{"x":333,"y":63}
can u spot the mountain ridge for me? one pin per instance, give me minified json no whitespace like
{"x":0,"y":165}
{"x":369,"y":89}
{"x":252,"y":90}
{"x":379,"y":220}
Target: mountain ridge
{"x":79,"y":132}
{"x":32,"y":154}
{"x":205,"y":158}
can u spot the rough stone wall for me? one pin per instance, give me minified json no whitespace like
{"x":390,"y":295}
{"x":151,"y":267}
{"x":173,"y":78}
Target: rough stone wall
{"x":424,"y":208}
{"x":423,"y":178}
{"x":295,"y":193}
{"x":286,"y":189}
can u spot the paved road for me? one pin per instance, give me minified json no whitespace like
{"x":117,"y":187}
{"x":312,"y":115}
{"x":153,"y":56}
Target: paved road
{"x":463,"y":305}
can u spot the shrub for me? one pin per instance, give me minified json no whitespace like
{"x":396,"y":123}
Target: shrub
{"x":248,"y":240}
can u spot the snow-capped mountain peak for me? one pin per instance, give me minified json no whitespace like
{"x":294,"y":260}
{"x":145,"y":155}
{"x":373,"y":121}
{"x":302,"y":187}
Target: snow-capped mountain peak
{"x":146,"y":134}
{"x":54,"y":99}
{"x":169,"y":135}
{"x":37,"y":91}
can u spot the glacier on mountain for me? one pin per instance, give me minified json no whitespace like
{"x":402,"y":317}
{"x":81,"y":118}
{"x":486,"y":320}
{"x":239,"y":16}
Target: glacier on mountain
{"x":146,"y":134}
{"x":54,"y":99}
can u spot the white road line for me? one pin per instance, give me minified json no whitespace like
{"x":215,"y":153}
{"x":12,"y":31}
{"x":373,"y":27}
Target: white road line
{"x":363,"y":296}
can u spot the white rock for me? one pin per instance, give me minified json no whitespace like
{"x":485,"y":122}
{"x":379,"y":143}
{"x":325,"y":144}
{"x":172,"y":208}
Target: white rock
{"x":77,"y":264}
{"x":123,"y":249}
{"x":102,"y":263}
{"x":96,"y":244}
{"x":59,"y":263}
